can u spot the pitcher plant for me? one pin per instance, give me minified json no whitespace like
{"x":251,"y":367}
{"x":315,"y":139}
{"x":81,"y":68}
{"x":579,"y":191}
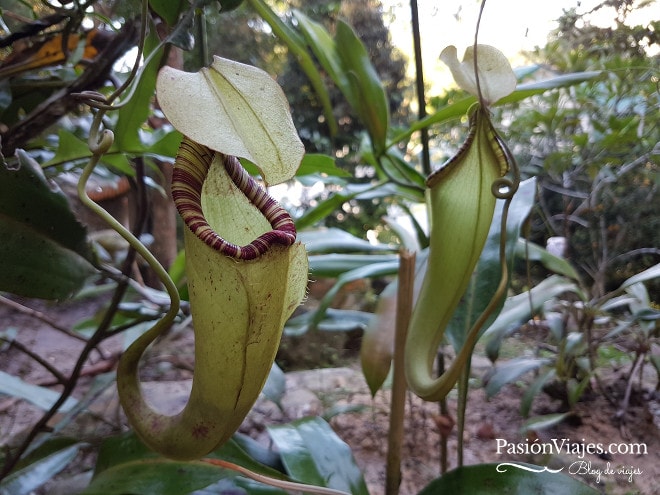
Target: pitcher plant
{"x":246,"y":272}
{"x":461,"y":198}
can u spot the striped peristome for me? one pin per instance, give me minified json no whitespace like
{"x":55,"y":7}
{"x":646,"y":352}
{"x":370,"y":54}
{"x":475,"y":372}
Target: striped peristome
{"x":190,"y":169}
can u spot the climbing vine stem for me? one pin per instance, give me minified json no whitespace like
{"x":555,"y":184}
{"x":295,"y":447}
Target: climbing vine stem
{"x":99,"y":146}
{"x":283,"y":484}
{"x":100,"y":141}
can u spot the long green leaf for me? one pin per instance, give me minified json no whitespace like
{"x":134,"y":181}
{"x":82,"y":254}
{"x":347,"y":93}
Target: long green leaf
{"x":544,"y":422}
{"x":296,"y":46}
{"x":37,"y":266}
{"x":333,"y":265}
{"x":459,"y":108}
{"x":322,"y":210}
{"x":364,"y":192}
{"x":325,"y":51}
{"x":648,"y":274}
{"x":334,"y":320}
{"x":521,"y":479}
{"x":163,"y":145}
{"x":396,"y":168}
{"x":313,"y":453}
{"x":159,"y":475}
{"x":643,"y":276}
{"x":372,"y":270}
{"x":537,"y":87}
{"x":169,"y":10}
{"x":44,"y":248}
{"x":338,"y":241}
{"x":346,"y":61}
{"x":70,"y":148}
{"x":26,"y":195}
{"x":125,"y":465}
{"x":316,"y":163}
{"x":534,"y":252}
{"x":275,"y":386}
{"x":370,"y":100}
{"x":533,"y":390}
{"x":239,"y":486}
{"x":133,"y":115}
{"x":510,"y":371}
{"x":41,"y":397}
{"x":39,"y":468}
{"x":519,"y":308}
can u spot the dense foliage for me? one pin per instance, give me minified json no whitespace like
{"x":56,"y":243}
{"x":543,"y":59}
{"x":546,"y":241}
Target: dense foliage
{"x":582,"y":125}
{"x":595,"y":149}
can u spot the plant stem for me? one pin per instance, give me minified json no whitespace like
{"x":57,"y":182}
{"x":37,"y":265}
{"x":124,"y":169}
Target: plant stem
{"x":202,"y":52}
{"x":284,"y":484}
{"x":621,"y":413}
{"x":444,"y":411}
{"x":404,"y":303}
{"x":40,"y":316}
{"x":99,"y":147}
{"x":463,"y":388}
{"x":419,"y":84}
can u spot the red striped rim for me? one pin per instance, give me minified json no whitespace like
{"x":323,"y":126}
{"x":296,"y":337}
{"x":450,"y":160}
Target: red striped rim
{"x":192,"y":164}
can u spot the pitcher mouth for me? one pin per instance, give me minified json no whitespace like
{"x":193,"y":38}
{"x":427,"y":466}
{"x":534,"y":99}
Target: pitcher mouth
{"x":190,"y":170}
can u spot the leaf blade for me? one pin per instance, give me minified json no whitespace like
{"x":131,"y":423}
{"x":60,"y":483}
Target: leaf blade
{"x":41,"y":397}
{"x":313,"y":453}
{"x":44,"y":247}
{"x":367,"y":91}
{"x":30,"y":477}
{"x":485,"y":479}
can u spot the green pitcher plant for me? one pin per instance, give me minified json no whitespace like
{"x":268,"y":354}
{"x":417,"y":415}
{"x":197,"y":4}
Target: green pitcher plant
{"x":461,"y":197}
{"x":246,"y":273}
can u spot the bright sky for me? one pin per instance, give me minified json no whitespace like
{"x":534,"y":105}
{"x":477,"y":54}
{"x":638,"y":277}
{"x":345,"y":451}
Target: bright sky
{"x":509,"y":25}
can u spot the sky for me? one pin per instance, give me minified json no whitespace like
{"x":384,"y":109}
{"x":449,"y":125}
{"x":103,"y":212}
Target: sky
{"x":509,"y":25}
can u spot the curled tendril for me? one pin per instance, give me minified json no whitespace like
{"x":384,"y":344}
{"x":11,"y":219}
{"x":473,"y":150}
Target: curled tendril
{"x":101,"y":144}
{"x":94,"y":99}
{"x":285,"y":485}
{"x":506,"y":187}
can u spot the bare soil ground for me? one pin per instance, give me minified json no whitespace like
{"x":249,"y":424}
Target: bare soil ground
{"x":319,"y":391}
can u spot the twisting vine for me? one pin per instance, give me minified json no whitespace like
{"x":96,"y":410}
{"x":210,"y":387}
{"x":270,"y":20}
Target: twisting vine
{"x":99,"y":142}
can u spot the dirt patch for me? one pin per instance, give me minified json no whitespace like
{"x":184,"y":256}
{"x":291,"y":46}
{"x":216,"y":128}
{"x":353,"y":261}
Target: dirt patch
{"x":361,"y":421}
{"x":487,"y":423}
